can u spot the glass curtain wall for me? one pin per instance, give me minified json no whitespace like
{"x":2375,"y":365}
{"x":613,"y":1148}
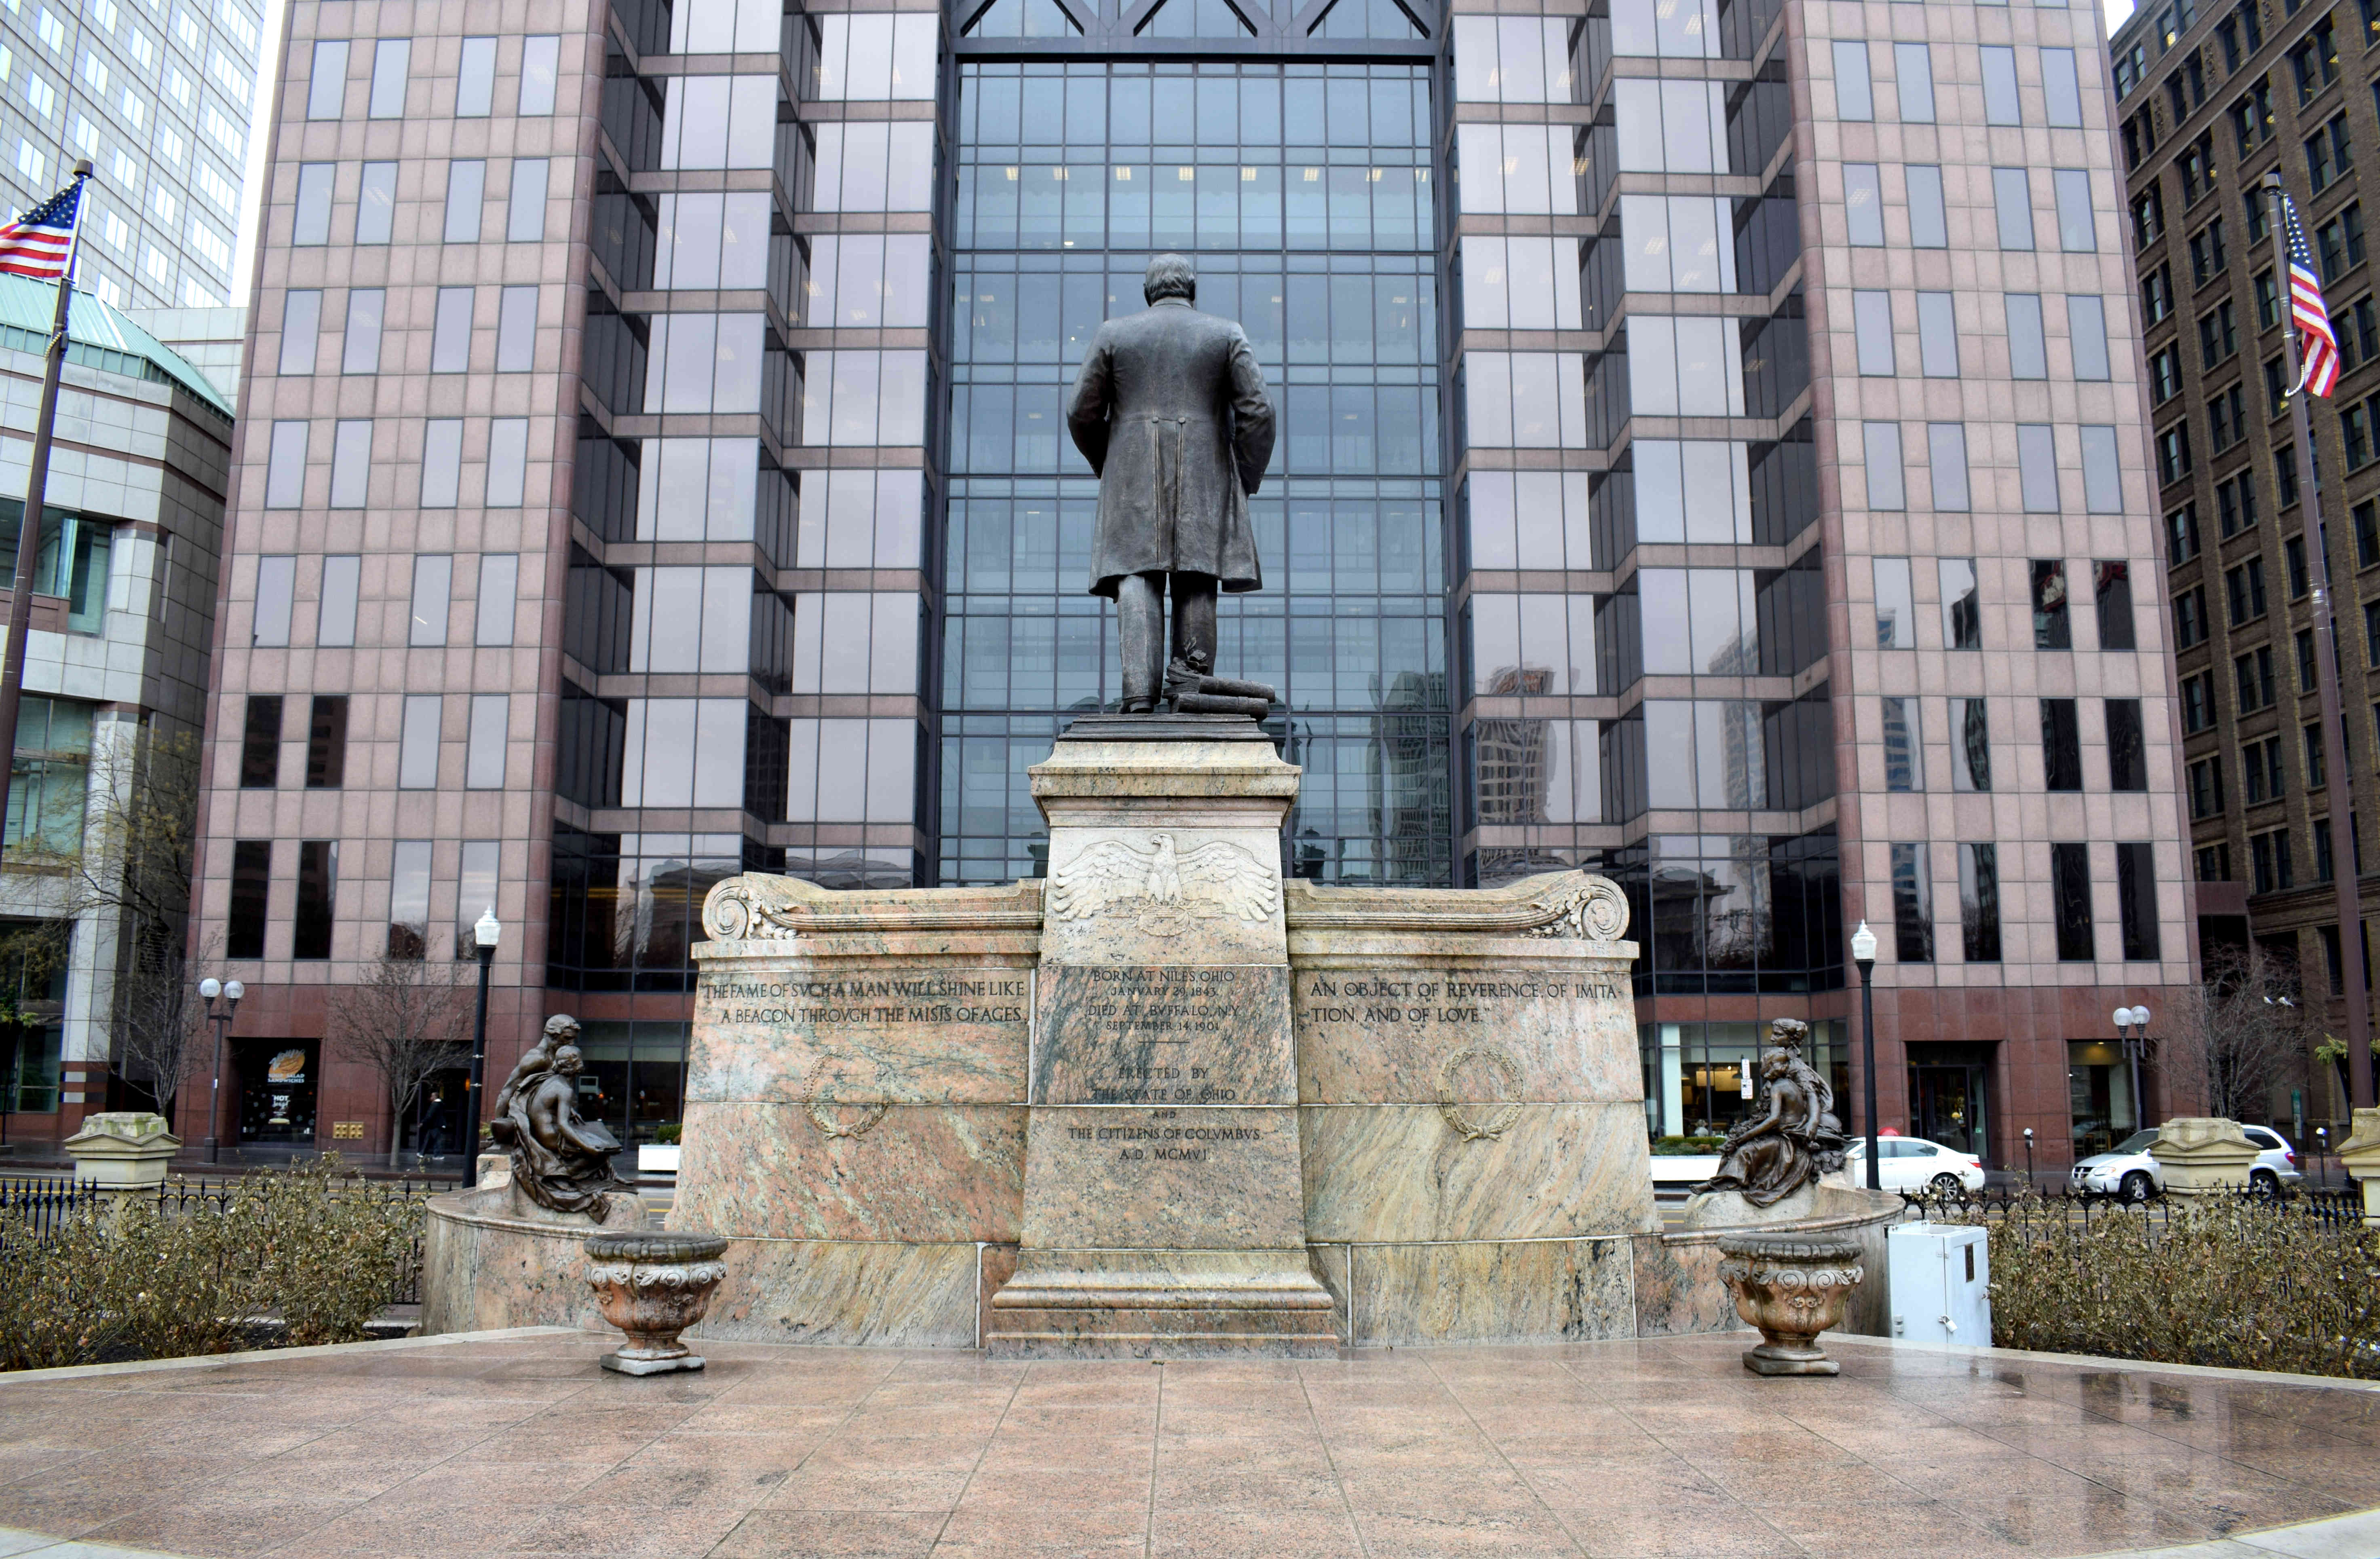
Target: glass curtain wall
{"x":1305,"y":195}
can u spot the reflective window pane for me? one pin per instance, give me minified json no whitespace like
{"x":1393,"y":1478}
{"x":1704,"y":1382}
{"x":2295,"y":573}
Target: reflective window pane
{"x":2028,"y":348}
{"x":474,"y":88}
{"x":417,"y":746}
{"x":441,"y":463}
{"x":360,"y":353}
{"x":525,"y":209}
{"x":301,"y":323}
{"x":326,"y":86}
{"x":1864,"y":204}
{"x":433,"y":581}
{"x":334,"y":622}
{"x":466,"y":183}
{"x":1928,"y":227}
{"x":313,"y":218}
{"x":483,"y":764}
{"x":376,"y":205}
{"x":350,"y":463}
{"x":1896,"y":606}
{"x":540,"y":58}
{"x":499,"y":588}
{"x":392,"y":60}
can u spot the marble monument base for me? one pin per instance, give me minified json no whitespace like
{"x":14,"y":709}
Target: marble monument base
{"x":1164,"y":1210}
{"x":1148,"y":1304}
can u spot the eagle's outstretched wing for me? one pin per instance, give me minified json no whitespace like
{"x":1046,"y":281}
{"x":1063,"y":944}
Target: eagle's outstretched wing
{"x":1244,"y":886}
{"x":1101,"y":875}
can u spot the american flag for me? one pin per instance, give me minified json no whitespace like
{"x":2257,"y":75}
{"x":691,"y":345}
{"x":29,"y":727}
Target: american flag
{"x":2317,"y":347}
{"x":40,"y":243}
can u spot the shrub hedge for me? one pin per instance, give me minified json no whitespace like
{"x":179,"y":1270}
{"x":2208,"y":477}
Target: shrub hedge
{"x":294,"y":1247}
{"x":2235,"y":1282}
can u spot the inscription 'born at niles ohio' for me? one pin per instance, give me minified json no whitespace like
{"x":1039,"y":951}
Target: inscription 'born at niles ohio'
{"x":827,"y":1004}
{"x":1161,"y":1001}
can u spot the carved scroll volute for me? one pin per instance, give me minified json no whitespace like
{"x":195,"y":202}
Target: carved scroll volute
{"x":754,"y":905}
{"x":1586,"y":908}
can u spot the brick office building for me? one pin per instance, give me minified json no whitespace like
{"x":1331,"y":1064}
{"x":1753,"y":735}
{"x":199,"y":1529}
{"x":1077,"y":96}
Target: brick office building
{"x":1713,"y":452}
{"x":2212,"y":99}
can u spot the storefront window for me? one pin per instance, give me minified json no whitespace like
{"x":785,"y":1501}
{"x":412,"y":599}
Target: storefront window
{"x":277,"y":1083}
{"x":29,"y":1085}
{"x":634,"y":1080}
{"x":1695,"y":1073}
{"x":2099,"y":1090}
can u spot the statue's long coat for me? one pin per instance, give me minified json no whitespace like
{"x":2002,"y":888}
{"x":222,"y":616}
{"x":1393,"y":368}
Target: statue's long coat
{"x":1169,"y":409}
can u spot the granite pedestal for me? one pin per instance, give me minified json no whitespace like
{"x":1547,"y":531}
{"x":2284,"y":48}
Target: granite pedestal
{"x":1164,"y":1208}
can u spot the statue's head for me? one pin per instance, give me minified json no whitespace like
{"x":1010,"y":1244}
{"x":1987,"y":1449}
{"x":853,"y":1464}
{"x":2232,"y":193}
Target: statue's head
{"x":1169,"y":276}
{"x":561,"y":1027}
{"x":567,"y":1061}
{"x":1791,"y":1032}
{"x":1777,"y":1063}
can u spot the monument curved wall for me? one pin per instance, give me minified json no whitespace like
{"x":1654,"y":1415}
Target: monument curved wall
{"x":1469,"y":1107}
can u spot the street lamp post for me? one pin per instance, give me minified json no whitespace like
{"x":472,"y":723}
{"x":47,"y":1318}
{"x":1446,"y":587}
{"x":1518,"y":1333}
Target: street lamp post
{"x":2133,"y":1025}
{"x":2028,"y":1159}
{"x":486,"y":933}
{"x":1864,"y":955}
{"x":209,"y":990}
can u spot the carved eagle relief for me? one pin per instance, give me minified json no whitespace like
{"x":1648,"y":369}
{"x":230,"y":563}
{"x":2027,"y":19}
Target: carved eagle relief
{"x":1166,"y":887}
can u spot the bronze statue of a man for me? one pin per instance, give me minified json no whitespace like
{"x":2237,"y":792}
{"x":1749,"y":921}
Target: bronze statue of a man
{"x":1171,"y":411}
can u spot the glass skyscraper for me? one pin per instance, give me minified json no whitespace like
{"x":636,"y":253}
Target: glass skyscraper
{"x":1692,"y":417}
{"x":158,"y":95}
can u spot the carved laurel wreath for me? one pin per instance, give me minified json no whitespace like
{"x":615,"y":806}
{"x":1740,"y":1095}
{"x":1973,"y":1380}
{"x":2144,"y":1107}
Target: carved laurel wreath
{"x":820,"y":1109}
{"x":1507,"y":1110}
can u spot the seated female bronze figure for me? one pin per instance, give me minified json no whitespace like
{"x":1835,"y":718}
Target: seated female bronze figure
{"x":1795,"y":1137}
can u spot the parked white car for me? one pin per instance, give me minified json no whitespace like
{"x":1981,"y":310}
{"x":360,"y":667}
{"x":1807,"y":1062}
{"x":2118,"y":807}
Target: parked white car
{"x":2129,"y":1171}
{"x":1912,"y":1164}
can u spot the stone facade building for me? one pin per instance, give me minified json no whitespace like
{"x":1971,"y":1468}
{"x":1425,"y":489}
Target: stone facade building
{"x":123,"y":618}
{"x":1712,"y":451}
{"x":2212,"y":98}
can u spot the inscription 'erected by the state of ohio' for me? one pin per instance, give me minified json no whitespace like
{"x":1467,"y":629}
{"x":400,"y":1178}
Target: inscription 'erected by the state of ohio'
{"x":868,"y":1003}
{"x":1459,"y":999}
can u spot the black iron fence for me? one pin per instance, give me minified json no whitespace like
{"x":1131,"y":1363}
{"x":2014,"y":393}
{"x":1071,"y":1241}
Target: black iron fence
{"x":40,"y":1207}
{"x":2326,"y":1208}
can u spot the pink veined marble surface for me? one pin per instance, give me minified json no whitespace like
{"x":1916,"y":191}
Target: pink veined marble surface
{"x":1598,"y":1450}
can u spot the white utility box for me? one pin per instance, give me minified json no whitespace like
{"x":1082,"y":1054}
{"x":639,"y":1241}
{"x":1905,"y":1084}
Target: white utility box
{"x":1941,"y":1280}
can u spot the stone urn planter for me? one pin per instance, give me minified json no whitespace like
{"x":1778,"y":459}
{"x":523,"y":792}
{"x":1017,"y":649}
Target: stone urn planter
{"x":652,"y":1286}
{"x":1791,"y":1289}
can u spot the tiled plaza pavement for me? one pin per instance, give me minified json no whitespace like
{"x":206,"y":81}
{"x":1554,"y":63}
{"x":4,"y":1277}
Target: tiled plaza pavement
{"x":516,"y":1444}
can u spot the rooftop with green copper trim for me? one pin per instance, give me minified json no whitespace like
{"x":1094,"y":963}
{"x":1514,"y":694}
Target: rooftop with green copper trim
{"x":100,"y":337}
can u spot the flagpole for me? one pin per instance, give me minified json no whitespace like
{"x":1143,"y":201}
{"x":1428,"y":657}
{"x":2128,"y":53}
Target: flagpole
{"x":37,"y":485}
{"x":2339,"y":779}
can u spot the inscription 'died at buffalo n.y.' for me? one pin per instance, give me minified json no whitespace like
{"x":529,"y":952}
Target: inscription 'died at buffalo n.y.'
{"x":1456,"y":1000}
{"x":870,"y":1003}
{"x":1149,"y":1027}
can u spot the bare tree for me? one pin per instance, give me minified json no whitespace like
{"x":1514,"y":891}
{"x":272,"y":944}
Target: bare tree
{"x":2241,"y":1034}
{"x":404,"y":1018}
{"x":134,"y":876}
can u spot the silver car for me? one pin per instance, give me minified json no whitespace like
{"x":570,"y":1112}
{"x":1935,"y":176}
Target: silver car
{"x":2129,"y":1171}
